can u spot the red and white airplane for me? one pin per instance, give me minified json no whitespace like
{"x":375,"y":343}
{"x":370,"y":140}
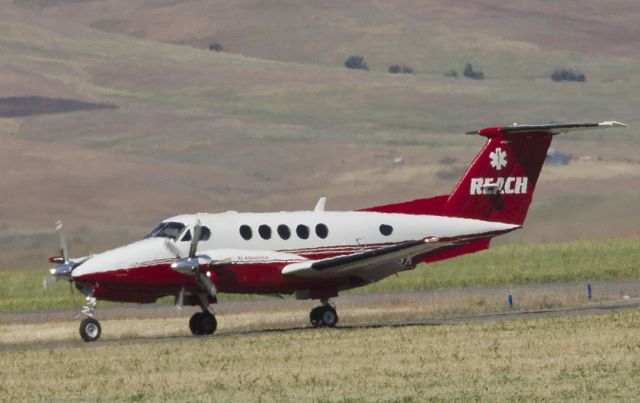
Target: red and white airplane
{"x":316,"y":254}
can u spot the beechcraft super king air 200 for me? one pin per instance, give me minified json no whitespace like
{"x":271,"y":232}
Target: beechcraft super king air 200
{"x":316,"y":254}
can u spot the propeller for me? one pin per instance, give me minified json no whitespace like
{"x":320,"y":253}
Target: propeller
{"x":65,"y":266}
{"x":190,"y":264}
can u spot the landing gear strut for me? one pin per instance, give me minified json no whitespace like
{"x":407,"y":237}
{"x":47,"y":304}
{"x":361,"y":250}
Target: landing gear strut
{"x":203,"y":323}
{"x":90,"y":328}
{"x":324,"y":315}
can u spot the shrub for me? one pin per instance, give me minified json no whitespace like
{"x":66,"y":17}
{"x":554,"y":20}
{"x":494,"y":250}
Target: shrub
{"x":400,"y":68}
{"x":451,"y":73}
{"x":568,"y":75}
{"x":216,"y":47}
{"x":470,"y":73}
{"x":356,"y":62}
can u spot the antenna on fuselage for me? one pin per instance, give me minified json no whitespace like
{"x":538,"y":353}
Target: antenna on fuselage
{"x":320,"y":204}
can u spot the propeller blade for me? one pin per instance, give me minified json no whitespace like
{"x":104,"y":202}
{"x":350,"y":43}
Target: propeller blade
{"x":208,"y":284}
{"x":74,"y":306}
{"x":195,"y":238}
{"x":63,"y":241}
{"x":180,"y":300}
{"x":173,"y":248}
{"x":47,"y":281}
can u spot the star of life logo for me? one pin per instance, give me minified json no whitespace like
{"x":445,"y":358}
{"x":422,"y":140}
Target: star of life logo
{"x":498,"y":158}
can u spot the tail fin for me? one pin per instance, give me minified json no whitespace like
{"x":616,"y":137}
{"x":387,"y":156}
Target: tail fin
{"x":499,"y":184}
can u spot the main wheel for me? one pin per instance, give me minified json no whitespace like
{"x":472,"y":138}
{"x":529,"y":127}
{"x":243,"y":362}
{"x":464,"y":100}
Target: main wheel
{"x":194,"y":323}
{"x":208,"y":323}
{"x":203,"y":323}
{"x":315,"y":315}
{"x":329,"y":316}
{"x":323,"y":316}
{"x":90,"y":329}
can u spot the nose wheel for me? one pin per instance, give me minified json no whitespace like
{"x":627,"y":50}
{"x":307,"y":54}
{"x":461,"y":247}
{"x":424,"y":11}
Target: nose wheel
{"x":90,"y":329}
{"x":323,"y":316}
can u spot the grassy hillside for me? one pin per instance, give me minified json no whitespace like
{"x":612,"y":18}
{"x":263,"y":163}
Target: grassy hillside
{"x":277,"y":121}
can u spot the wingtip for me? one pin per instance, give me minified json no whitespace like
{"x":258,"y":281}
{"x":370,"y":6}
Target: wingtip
{"x":612,"y":123}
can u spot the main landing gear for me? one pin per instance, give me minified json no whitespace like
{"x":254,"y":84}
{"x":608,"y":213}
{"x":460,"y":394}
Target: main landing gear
{"x":203,"y":323}
{"x":90,"y":328}
{"x":324,"y":315}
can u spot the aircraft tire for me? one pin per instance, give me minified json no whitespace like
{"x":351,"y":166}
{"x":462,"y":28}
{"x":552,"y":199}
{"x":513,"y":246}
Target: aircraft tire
{"x":323,"y":316}
{"x":90,"y":329}
{"x":195,"y":324}
{"x":202,"y":323}
{"x":329,"y":316}
{"x":208,"y":323}
{"x":315,"y":315}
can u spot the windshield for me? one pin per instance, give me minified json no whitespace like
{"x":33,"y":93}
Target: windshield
{"x":166,"y":230}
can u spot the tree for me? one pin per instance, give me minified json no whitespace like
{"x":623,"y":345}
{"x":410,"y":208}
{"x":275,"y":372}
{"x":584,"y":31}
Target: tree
{"x":356,"y":62}
{"x":451,"y":73}
{"x":470,"y":73}
{"x":400,"y":68}
{"x":216,"y":47}
{"x":568,"y":75}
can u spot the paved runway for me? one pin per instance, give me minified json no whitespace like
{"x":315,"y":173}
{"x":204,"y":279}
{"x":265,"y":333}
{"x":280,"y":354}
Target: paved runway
{"x":611,"y":296}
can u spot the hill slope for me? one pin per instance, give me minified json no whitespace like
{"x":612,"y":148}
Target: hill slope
{"x":202,"y":131}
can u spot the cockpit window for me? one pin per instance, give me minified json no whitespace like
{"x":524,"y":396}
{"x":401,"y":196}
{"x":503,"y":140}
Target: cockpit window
{"x":166,"y":230}
{"x":205,"y":234}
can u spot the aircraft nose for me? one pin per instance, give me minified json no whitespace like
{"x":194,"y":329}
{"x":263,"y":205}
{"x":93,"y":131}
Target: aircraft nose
{"x":114,"y":261}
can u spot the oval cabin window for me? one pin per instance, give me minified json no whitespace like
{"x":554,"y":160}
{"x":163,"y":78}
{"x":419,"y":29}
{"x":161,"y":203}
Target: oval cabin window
{"x":284,"y":231}
{"x":322,"y":231}
{"x":302,"y":231}
{"x":386,"y":230}
{"x":246,"y":232}
{"x":264,"y":231}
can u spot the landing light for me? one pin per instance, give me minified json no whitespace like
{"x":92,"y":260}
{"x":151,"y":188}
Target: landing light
{"x":56,"y":259}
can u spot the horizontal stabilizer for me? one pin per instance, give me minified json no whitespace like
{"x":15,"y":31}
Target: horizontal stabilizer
{"x":549,"y":128}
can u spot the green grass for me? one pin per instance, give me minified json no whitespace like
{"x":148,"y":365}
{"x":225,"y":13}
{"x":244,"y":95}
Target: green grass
{"x":558,"y":359}
{"x":517,"y":264}
{"x":514,"y":264}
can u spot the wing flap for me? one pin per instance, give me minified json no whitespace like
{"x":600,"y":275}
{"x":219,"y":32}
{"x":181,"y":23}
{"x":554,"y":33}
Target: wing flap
{"x":343,"y":266}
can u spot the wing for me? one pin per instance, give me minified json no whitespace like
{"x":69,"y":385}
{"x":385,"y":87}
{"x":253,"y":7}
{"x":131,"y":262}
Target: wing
{"x":375,"y":264}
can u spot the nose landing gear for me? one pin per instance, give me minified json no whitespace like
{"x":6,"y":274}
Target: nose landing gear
{"x":90,"y":328}
{"x":324,"y":315}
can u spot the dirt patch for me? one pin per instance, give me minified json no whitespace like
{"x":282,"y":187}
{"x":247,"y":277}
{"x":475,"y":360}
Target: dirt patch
{"x":34,"y":105}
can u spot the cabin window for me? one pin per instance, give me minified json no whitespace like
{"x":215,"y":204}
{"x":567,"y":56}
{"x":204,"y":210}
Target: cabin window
{"x":205,"y":234}
{"x":264,"y":231}
{"x":284,"y":231}
{"x":386,"y":230}
{"x":302,"y":231}
{"x":322,"y":231}
{"x":246,"y":232}
{"x":167,"y":230}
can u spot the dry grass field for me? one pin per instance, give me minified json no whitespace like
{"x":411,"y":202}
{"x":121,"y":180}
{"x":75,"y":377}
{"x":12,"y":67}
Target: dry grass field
{"x":593,"y":357}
